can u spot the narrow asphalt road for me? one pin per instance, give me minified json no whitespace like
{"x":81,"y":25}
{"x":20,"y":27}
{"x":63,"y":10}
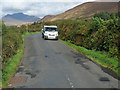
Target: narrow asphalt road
{"x":52,"y":64}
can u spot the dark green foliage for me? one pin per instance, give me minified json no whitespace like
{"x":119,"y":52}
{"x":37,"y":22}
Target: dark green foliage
{"x":12,"y":39}
{"x":106,"y":15}
{"x":101,"y":33}
{"x":12,"y":47}
{"x":35,"y":27}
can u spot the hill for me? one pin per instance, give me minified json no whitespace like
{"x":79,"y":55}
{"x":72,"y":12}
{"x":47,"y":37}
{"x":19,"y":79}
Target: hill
{"x":18,"y":19}
{"x":84,"y":10}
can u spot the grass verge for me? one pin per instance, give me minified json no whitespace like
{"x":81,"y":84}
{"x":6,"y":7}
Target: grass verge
{"x":98,"y":57}
{"x":11,"y":68}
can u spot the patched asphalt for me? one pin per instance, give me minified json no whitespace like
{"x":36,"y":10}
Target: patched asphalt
{"x":52,"y":64}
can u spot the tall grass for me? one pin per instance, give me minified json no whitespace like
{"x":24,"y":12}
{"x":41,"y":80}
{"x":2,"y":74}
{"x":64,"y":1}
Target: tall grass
{"x":11,"y":67}
{"x":98,"y":56}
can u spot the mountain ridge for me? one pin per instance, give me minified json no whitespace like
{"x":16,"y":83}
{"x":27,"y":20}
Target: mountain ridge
{"x":83,"y":10}
{"x":18,"y":19}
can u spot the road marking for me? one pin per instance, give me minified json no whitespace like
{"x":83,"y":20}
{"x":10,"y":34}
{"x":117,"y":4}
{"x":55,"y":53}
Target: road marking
{"x":70,"y":82}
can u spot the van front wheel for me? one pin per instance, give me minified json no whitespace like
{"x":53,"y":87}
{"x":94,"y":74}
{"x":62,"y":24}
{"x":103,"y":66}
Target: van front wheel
{"x":44,"y":38}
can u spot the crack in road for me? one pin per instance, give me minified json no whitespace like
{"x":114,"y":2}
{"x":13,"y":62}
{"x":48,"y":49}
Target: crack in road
{"x":70,"y":82}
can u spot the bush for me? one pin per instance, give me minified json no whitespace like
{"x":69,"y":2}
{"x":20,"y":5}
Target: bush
{"x":101,"y":33}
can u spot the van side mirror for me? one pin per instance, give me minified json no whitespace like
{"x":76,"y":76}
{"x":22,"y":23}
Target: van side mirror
{"x":42,"y":30}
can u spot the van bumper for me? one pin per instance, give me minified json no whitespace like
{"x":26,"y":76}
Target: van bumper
{"x":51,"y":37}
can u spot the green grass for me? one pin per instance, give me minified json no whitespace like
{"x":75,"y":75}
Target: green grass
{"x":98,"y":57}
{"x":11,"y":68}
{"x":29,"y":33}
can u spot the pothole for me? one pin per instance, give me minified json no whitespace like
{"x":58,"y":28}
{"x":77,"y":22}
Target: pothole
{"x":18,"y":79}
{"x":58,"y":53}
{"x":20,"y":69}
{"x":32,"y":74}
{"x":79,"y":61}
{"x":104,"y":79}
{"x":46,"y":56}
{"x":85,"y":66}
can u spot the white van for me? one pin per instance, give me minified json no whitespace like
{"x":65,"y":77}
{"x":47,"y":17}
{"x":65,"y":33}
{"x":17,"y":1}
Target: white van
{"x":49,"y":32}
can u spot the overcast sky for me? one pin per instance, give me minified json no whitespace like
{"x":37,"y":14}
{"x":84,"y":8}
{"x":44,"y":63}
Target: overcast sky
{"x":38,"y":8}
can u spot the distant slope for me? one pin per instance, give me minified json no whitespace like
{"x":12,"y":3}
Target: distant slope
{"x":18,"y":19}
{"x":47,"y":18}
{"x":12,"y":21}
{"x":84,"y":10}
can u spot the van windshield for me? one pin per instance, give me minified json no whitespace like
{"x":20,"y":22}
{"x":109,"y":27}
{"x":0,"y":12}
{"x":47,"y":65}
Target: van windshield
{"x":50,"y":29}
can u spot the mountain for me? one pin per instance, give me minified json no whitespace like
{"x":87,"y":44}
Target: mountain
{"x":18,"y":19}
{"x":47,"y":18}
{"x":84,"y":10}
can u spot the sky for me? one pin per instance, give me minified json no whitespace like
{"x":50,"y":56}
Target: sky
{"x":39,"y":8}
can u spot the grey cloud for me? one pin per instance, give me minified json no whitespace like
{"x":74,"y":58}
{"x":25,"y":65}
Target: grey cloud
{"x":41,"y":9}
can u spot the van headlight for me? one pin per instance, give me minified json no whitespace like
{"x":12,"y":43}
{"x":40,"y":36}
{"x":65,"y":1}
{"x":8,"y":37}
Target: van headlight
{"x":57,"y":34}
{"x":46,"y":34}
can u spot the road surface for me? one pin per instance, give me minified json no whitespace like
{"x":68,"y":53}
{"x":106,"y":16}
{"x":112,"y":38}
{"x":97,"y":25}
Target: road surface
{"x":52,"y":64}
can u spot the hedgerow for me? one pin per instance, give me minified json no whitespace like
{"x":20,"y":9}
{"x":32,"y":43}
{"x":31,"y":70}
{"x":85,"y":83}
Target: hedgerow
{"x":100,"y":33}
